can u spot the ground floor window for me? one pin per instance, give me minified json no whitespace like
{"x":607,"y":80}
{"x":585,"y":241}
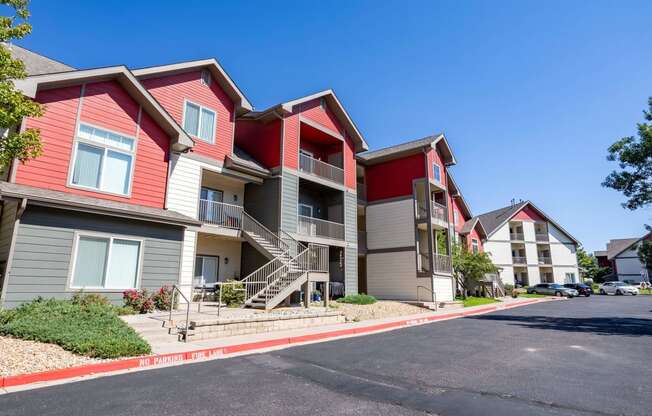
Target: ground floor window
{"x":570,"y":278}
{"x":104,"y":262}
{"x":206,"y":270}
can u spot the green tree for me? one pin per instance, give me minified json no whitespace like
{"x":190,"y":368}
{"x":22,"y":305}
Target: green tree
{"x":14,"y":106}
{"x":589,"y":266}
{"x":634,"y":157}
{"x":645,"y":253}
{"x":469,"y":268}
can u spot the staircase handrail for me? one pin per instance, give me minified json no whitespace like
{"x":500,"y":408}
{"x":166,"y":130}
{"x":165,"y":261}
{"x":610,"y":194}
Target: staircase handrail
{"x":263,"y":231}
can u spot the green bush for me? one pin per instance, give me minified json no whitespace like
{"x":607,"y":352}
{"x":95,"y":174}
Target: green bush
{"x":233,"y":294}
{"x":94,"y":330}
{"x":359,"y":299}
{"x":86,"y":299}
{"x":124,"y":310}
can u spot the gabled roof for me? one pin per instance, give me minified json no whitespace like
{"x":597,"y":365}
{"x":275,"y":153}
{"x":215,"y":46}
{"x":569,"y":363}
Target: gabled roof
{"x":218,"y":73}
{"x":618,"y":246}
{"x":455,"y":192}
{"x":471,"y":224}
{"x":493,"y":220}
{"x":409,"y":148}
{"x":36,"y":64}
{"x":333,"y":103}
{"x":180,"y":140}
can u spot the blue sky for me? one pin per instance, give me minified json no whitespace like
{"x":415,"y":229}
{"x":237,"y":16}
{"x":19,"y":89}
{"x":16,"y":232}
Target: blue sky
{"x":529,"y":94}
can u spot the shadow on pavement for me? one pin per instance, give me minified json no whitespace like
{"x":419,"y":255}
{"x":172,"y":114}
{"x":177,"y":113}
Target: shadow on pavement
{"x":601,"y":326}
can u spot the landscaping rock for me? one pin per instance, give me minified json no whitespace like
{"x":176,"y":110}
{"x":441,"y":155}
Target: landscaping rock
{"x":378,"y":310}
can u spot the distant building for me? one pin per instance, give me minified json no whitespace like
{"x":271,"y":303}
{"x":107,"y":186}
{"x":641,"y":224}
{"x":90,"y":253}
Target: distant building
{"x":621,"y":256}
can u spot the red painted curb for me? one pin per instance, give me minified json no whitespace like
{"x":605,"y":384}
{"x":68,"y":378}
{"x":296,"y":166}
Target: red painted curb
{"x":155,"y":360}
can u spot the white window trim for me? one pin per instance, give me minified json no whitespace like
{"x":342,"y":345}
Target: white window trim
{"x":73,"y":160}
{"x":73,"y":261}
{"x":306,"y":206}
{"x":438,"y":170}
{"x":201,"y":107}
{"x":210,"y":77}
{"x":475,"y":245}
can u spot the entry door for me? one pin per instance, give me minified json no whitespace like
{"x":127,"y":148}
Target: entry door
{"x":213,"y":210}
{"x":206,"y":270}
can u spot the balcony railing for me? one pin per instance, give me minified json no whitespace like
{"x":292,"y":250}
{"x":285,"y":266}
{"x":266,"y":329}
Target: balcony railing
{"x":424,"y":262}
{"x":545,"y":260}
{"x":321,"y":169}
{"x":318,"y":258}
{"x":442,"y":263}
{"x":516,"y":236}
{"x":219,"y":213}
{"x":315,"y":227}
{"x":542,"y":236}
{"x":519,"y":260}
{"x":438,"y":211}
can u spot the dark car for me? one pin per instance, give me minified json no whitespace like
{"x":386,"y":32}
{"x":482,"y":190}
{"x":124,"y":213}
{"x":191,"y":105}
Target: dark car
{"x":552,"y":289}
{"x":582,"y":289}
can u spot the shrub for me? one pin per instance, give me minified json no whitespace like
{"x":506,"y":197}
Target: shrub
{"x":124,"y":310}
{"x":85,"y":299}
{"x":508,"y":287}
{"x":233,"y":294}
{"x":359,"y":299}
{"x":93,"y":330}
{"x":163,"y":298}
{"x":138,"y":300}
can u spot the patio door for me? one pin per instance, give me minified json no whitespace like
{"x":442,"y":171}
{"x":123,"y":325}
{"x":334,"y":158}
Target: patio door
{"x":206,"y":270}
{"x":212,"y":209}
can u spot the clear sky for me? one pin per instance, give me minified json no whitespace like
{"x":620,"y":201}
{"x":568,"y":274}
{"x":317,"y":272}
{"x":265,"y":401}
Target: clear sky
{"x":529,"y":93}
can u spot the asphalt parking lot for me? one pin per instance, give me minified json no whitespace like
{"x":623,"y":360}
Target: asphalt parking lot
{"x":583,"y":356}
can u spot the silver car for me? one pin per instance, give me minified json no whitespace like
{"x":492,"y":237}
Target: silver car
{"x":618,"y":288}
{"x":552,"y":289}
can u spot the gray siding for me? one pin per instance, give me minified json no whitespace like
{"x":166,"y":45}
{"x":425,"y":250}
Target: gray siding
{"x":7,"y":228}
{"x":289,"y":202}
{"x":262,"y":202}
{"x":351,"y":270}
{"x":44,"y":244}
{"x":350,"y":217}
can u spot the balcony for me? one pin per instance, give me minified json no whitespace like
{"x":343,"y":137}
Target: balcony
{"x":516,"y":236}
{"x":442,"y":263}
{"x":519,"y":260}
{"x":321,"y":169}
{"x":315,"y":227}
{"x":545,"y":260}
{"x":438,"y":212}
{"x":221,"y":214}
{"x":541,"y":236}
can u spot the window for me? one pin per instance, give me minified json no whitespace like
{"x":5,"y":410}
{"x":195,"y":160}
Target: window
{"x":103,"y":160}
{"x":305,"y":210}
{"x":570,"y":278}
{"x":199,"y":122}
{"x":322,"y":104}
{"x":106,"y":263}
{"x":475,"y":246}
{"x":206,"y":270}
{"x":436,"y":171}
{"x":456,"y":216}
{"x":206,"y":77}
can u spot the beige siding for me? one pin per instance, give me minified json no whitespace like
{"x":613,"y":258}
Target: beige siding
{"x":390,"y":225}
{"x":224,"y":248}
{"x":393,"y":275}
{"x":183,"y":186}
{"x":188,"y":262}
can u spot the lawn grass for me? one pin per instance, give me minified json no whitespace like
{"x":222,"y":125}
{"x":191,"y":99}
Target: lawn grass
{"x":93,"y":330}
{"x":530,"y":295}
{"x":475,"y":301}
{"x":645,"y":291}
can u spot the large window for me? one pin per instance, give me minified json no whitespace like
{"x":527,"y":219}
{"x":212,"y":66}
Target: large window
{"x":102,"y":160}
{"x":436,"y":171}
{"x":456,"y":217}
{"x":475,"y":246}
{"x":207,"y":269}
{"x":199,"y":122}
{"x":106,"y":262}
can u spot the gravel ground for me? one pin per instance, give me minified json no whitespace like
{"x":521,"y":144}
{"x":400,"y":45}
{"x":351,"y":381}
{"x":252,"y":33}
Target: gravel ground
{"x":380,"y":309}
{"x":21,"y":357}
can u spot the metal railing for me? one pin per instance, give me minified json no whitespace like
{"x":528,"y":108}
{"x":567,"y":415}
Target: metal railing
{"x":318,"y":258}
{"x":322,"y":169}
{"x":541,"y":236}
{"x":545,"y":260}
{"x":424,"y":262}
{"x":316,"y":227}
{"x":442,"y":263}
{"x":219,"y":213}
{"x":438,"y":212}
{"x":175,"y":290}
{"x":253,"y":227}
{"x":519,"y":260}
{"x":432,"y":292}
{"x":516,"y":236}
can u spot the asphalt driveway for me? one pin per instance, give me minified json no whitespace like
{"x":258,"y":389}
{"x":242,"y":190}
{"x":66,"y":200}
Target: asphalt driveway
{"x":576,"y":357}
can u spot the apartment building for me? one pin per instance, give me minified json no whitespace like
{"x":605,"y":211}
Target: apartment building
{"x":409,"y":208}
{"x":166,"y":175}
{"x":621,"y":256}
{"x":528,"y":246}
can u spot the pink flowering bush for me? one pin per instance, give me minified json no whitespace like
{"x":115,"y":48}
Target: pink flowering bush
{"x":138,"y":300}
{"x":163,"y":298}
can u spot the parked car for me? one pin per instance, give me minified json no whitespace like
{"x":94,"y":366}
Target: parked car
{"x":582,"y":289}
{"x":618,"y":288}
{"x":552,"y":289}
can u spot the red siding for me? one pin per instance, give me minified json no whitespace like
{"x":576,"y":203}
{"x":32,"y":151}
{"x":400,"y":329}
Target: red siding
{"x":313,"y":111}
{"x":456,"y":204}
{"x":474,"y":235}
{"x":106,"y":105}
{"x":262,"y":141}
{"x":349,"y":163}
{"x":394,"y":178}
{"x":528,"y":214}
{"x":172,"y":90}
{"x":291,"y":142}
{"x":435,"y":157}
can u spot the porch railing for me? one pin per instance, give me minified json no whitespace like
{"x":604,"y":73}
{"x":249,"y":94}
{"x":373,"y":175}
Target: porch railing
{"x":545,"y":260}
{"x":519,"y":260}
{"x":438,"y":211}
{"x":322,"y":169}
{"x":542,"y":236}
{"x":219,"y":213}
{"x":318,"y":258}
{"x":516,"y":236}
{"x":442,"y":263}
{"x":316,"y":227}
